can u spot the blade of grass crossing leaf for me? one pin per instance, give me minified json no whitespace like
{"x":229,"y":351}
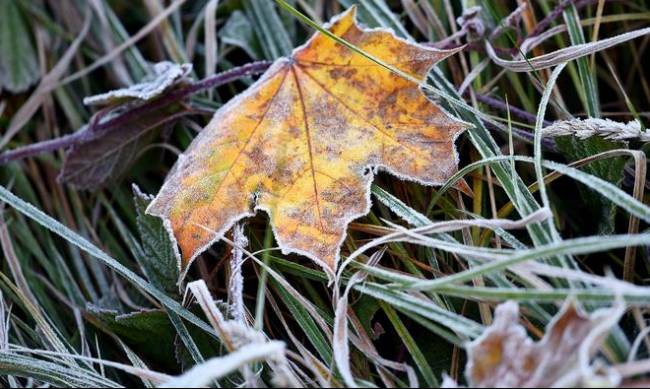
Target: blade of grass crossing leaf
{"x":482,"y":139}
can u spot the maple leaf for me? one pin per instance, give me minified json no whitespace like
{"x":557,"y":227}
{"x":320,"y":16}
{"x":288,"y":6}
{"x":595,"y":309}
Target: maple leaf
{"x":303,"y":142}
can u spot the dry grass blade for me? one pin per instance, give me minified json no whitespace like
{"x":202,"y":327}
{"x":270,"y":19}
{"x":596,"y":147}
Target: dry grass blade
{"x":236,"y":282}
{"x":340,"y":340}
{"x":442,"y":227}
{"x":202,"y":295}
{"x":563,"y":55}
{"x":215,"y":368}
{"x":48,"y":83}
{"x":125,"y":45}
{"x":210,"y":36}
{"x":238,"y":337}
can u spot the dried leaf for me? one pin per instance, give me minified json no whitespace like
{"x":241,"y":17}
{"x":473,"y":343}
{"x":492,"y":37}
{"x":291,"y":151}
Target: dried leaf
{"x":564,"y":55}
{"x":104,"y":154}
{"x":504,"y":356}
{"x":237,"y":335}
{"x":304,"y":141}
{"x":163,"y":76}
{"x":109,"y":144}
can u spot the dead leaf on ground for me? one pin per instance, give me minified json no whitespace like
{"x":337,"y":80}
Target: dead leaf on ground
{"x":107,"y":146}
{"x":163,"y":76}
{"x":505,"y":356}
{"x":304,"y":141}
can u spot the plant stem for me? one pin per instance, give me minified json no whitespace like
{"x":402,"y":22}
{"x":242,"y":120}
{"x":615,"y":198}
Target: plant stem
{"x":96,"y":127}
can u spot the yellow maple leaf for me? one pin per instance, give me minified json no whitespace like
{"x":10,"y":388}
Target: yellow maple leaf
{"x":304,"y":141}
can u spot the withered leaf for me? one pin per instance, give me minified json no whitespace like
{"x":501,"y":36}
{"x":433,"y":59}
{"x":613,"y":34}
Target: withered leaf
{"x":303,"y":143}
{"x":106,"y":153}
{"x":107,"y":146}
{"x":505,"y":356}
{"x":163,"y":76}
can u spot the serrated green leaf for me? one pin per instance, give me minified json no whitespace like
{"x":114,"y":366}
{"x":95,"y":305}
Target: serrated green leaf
{"x":159,"y":258}
{"x":149,"y":331}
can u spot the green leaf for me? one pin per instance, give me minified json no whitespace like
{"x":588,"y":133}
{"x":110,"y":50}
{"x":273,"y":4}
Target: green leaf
{"x":18,"y":61}
{"x":159,"y":252}
{"x":147,"y":331}
{"x":602,"y":210}
{"x":238,"y":31}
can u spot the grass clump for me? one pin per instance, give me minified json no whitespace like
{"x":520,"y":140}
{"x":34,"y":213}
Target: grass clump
{"x":556,"y":95}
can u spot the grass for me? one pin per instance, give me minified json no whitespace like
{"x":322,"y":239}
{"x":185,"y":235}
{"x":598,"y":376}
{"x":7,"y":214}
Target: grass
{"x":88,"y":281}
